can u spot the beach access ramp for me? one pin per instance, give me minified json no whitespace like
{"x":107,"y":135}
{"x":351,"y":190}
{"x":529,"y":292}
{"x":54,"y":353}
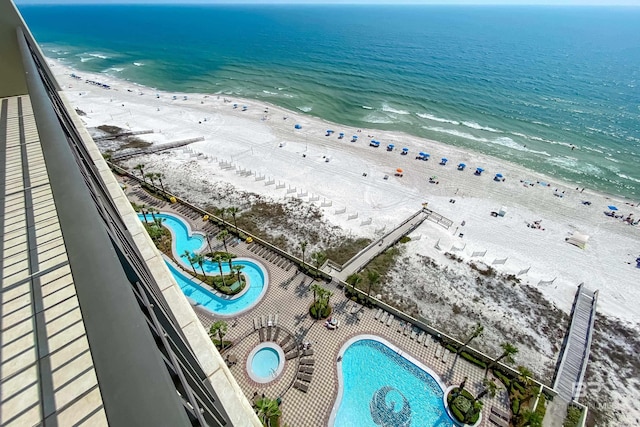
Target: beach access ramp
{"x":375,"y":248}
{"x":574,"y":354}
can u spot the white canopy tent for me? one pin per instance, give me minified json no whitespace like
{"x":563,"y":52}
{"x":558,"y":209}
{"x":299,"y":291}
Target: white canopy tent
{"x":578,"y":239}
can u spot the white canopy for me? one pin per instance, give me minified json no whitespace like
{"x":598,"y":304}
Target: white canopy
{"x":578,"y":239}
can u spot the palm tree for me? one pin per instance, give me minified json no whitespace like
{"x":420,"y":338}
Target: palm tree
{"x":509,"y":350}
{"x":374,"y":278}
{"x":237,"y":268}
{"x":317,"y":290}
{"x":189,"y":258}
{"x":142,"y":209}
{"x":227,"y":257}
{"x":475,"y":332}
{"x":490,"y":388}
{"x":233,"y":211}
{"x":267,"y":409}
{"x":199,"y":259}
{"x":140,"y":167}
{"x":525,"y":375}
{"x":303,"y":247}
{"x":319,"y":258}
{"x":354,"y":280}
{"x":153,"y":211}
{"x":324,"y":297}
{"x":220,"y":212}
{"x":151,"y":175}
{"x":220,"y":328}
{"x":223,"y":236}
{"x":160,"y":176}
{"x":218,"y":258}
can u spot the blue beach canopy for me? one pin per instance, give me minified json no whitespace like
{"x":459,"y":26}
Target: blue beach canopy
{"x":613,"y":208}
{"x":406,"y":150}
{"x":355,"y":136}
{"x":479,"y":170}
{"x":297,"y":126}
{"x":390,"y":146}
{"x":462,"y":165}
{"x":341,"y":133}
{"x":498,"y":175}
{"x":329,"y":131}
{"x":444,"y":160}
{"x":422,"y":154}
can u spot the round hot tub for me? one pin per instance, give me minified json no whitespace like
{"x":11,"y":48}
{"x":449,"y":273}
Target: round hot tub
{"x":265,"y":362}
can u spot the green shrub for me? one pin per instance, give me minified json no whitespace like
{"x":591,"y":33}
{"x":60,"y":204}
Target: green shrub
{"x":473,"y":360}
{"x":405,"y":239}
{"x":573,"y":416}
{"x":502,"y":377}
{"x":451,"y":348}
{"x":541,"y":409}
{"x":515,"y":405}
{"x":456,"y":413}
{"x":319,"y":312}
{"x":518,"y":387}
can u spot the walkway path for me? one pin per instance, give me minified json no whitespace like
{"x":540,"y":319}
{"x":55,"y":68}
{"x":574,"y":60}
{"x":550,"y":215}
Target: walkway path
{"x":364,"y":257}
{"x":575,"y":353}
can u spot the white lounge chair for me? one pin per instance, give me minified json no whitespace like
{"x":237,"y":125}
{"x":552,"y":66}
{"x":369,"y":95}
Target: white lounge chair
{"x":378,"y":313}
{"x":390,"y":320}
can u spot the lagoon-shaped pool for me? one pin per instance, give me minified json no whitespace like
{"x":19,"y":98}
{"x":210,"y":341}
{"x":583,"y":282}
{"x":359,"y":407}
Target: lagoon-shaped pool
{"x":381,"y":388}
{"x":184,"y":240}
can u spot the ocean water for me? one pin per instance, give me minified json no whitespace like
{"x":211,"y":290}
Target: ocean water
{"x":555,"y":89}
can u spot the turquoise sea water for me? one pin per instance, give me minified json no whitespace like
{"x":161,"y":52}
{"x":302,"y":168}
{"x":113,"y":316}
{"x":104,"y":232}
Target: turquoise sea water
{"x":396,"y":392}
{"x":520,"y":83}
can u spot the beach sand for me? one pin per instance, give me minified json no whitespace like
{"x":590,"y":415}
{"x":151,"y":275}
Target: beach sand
{"x":350,"y":175}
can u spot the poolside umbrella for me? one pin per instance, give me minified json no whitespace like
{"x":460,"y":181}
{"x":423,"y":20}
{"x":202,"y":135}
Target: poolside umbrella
{"x":613,"y":208}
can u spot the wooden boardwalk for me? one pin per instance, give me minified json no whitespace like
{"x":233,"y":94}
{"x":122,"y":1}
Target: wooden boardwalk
{"x":574,"y":355}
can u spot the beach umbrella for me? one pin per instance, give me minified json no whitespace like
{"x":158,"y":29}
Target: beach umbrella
{"x":341,"y":133}
{"x":297,"y":126}
{"x":355,"y":136}
{"x":613,"y":208}
{"x":329,"y":131}
{"x":406,"y":150}
{"x":399,"y":170}
{"x":498,"y":175}
{"x":422,"y":154}
{"x":390,"y":145}
{"x":444,"y":160}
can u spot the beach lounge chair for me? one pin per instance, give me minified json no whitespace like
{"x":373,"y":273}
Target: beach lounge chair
{"x":275,"y":335}
{"x":498,"y":421}
{"x":285,"y":340}
{"x":384,"y":317}
{"x":500,"y":413}
{"x":309,"y":362}
{"x":308,"y":352}
{"x":420,"y":337}
{"x":378,"y":313}
{"x":269,"y":333}
{"x":263,"y":323}
{"x":307,"y":369}
{"x":445,"y":356}
{"x":304,"y":377}
{"x":427,"y":340}
{"x":261,"y":332}
{"x":270,"y":321}
{"x":439,"y":350}
{"x":301,"y":386}
{"x":391,"y":317}
{"x":400,"y":326}
{"x":413,"y":334}
{"x":406,"y":328}
{"x":292,"y":355}
{"x":255,"y":324}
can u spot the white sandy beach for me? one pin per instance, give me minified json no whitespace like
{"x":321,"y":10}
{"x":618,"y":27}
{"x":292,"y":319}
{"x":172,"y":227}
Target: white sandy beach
{"x":262,"y":141}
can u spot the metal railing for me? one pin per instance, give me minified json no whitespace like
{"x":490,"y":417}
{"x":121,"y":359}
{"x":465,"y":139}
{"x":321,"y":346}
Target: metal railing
{"x":165,"y":375}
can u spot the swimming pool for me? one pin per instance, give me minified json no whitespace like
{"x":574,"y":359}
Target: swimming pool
{"x":184,"y":240}
{"x":381,"y":388}
{"x":265,"y":362}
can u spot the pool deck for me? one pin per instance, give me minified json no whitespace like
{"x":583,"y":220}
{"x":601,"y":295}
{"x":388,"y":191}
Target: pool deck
{"x":289,"y":296}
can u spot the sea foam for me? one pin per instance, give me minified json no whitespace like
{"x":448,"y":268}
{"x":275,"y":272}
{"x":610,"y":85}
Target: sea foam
{"x":436,"y":119}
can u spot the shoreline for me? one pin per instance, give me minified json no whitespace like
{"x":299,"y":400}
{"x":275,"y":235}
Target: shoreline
{"x":273,"y":149}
